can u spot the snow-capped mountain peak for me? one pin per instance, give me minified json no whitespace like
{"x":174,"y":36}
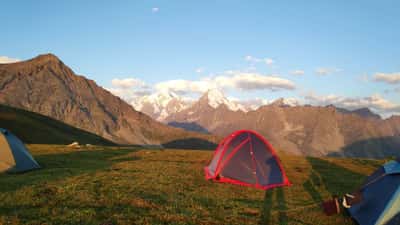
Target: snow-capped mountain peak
{"x":285,"y":102}
{"x":215,"y":98}
{"x":164,"y":103}
{"x":163,"y":97}
{"x":160,"y":104}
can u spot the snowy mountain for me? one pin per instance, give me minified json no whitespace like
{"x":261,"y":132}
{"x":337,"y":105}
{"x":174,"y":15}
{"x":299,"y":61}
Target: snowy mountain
{"x":285,"y":102}
{"x":215,"y":98}
{"x":164,"y":104}
{"x":161,"y":104}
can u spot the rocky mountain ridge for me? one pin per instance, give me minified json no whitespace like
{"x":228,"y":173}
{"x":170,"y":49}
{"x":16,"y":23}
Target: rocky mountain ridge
{"x":47,"y":86}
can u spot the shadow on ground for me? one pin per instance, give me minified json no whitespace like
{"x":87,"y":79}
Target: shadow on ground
{"x":336,"y":179}
{"x":280,"y":205}
{"x":267,"y":207}
{"x":64,"y":165}
{"x":47,"y":130}
{"x":192,"y":126}
{"x":381,"y":147}
{"x":324,"y":175}
{"x":190,"y":143}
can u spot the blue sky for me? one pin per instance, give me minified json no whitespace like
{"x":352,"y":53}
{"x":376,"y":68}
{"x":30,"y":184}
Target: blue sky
{"x":156,"y":41}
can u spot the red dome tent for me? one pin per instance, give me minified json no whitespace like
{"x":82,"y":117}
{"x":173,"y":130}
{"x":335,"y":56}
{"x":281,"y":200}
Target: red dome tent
{"x":246,"y":158}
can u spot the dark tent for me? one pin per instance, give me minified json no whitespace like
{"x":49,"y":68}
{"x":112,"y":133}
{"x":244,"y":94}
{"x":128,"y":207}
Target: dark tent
{"x":14,"y":157}
{"x":380,"y":201}
{"x":246,"y":158}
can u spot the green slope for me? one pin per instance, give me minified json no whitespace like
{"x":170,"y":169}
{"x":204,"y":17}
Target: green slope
{"x":124,"y":186}
{"x":38,"y":129}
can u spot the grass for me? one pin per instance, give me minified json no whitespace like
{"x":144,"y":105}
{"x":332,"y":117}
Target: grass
{"x":111,"y":185}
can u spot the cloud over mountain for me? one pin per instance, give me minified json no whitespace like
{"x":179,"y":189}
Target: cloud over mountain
{"x":254,"y":81}
{"x":127,"y":83}
{"x":5,"y":59}
{"x":236,"y":80}
{"x":375,"y":102}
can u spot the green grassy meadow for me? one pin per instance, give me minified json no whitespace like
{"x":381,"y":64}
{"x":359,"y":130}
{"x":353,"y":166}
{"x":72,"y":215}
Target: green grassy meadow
{"x":115,"y":185}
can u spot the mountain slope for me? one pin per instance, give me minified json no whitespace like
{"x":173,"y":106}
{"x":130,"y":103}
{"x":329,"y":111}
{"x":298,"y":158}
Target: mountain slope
{"x":34,"y":128}
{"x":47,"y":86}
{"x":306,"y":130}
{"x":363,"y":112}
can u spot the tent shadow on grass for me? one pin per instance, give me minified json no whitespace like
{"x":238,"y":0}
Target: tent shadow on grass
{"x":64,"y":165}
{"x":335,"y":179}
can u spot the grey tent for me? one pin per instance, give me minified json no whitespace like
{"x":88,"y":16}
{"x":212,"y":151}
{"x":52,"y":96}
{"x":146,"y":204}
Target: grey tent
{"x":14,"y":157}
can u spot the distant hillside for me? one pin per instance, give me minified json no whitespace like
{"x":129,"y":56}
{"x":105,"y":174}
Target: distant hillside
{"x":363,"y":112}
{"x":34,"y":128}
{"x":47,"y":86}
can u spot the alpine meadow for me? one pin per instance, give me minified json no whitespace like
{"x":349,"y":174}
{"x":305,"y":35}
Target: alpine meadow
{"x":199,"y":112}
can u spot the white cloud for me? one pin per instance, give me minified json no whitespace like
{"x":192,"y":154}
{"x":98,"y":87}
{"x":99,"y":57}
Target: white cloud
{"x":326,"y":71}
{"x":199,"y":70}
{"x":250,"y":58}
{"x":297,"y":72}
{"x":252,"y":81}
{"x":389,"y":78}
{"x":269,"y":61}
{"x":128,"y":83}
{"x":5,"y":59}
{"x":184,"y":86}
{"x":245,"y":81}
{"x":128,"y":94}
{"x":374,"y":102}
{"x":155,"y":9}
{"x":129,"y":88}
{"x":253,"y":59}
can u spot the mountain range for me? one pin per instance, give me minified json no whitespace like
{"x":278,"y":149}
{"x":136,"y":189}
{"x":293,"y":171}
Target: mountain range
{"x":45,"y":85}
{"x":299,"y":129}
{"x":164,"y":103}
{"x":290,"y":126}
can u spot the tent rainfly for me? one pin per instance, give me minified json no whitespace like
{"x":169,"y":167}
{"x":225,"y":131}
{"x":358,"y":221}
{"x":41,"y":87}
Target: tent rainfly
{"x":246,"y":158}
{"x":14,"y":157}
{"x":379,"y":201}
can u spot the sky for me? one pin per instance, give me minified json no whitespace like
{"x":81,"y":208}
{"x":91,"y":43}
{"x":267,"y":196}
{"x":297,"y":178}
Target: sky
{"x":320,"y":52}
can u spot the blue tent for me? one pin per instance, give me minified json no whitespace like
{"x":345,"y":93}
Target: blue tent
{"x":380,"y":203}
{"x":14,"y":157}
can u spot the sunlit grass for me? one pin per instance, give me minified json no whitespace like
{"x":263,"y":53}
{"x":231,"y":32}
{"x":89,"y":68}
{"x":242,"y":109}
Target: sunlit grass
{"x":110,"y":185}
